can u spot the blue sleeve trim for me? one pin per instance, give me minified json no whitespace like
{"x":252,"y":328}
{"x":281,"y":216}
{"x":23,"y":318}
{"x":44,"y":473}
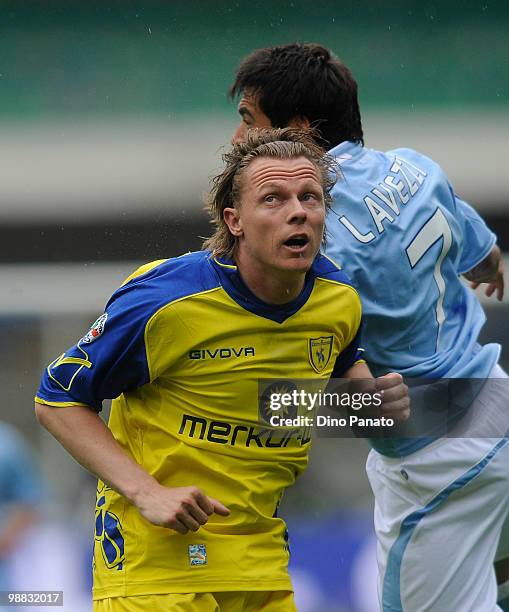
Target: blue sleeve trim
{"x":348,"y":357}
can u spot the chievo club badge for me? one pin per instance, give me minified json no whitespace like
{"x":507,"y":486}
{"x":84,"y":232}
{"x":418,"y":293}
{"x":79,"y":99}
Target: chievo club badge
{"x":95,"y":331}
{"x":320,"y":350}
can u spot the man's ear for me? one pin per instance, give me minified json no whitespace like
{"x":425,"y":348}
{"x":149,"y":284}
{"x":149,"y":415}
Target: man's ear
{"x":232,"y":219}
{"x":302,"y":123}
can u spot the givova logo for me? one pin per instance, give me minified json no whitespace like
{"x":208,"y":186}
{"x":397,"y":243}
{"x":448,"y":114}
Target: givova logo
{"x":108,"y":534}
{"x":222,"y":353}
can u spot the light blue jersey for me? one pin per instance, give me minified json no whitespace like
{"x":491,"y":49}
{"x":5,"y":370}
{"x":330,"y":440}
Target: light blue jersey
{"x":402,"y":235}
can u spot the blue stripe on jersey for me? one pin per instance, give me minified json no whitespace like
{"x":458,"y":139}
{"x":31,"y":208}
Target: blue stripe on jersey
{"x":391,"y":594}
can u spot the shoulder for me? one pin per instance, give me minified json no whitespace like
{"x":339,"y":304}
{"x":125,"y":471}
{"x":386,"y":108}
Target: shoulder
{"x":168,"y":280}
{"x":338,"y":296}
{"x":325,"y":268}
{"x":411,"y":156}
{"x":155,"y":286}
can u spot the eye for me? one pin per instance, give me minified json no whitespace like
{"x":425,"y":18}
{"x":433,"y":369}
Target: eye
{"x":270,"y":199}
{"x":311,"y":197}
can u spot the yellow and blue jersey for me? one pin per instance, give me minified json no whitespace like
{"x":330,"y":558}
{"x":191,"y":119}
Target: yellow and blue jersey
{"x":180,"y":350}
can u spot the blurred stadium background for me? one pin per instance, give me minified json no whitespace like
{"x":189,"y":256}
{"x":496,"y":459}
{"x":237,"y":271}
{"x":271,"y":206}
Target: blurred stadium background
{"x":112,"y":116}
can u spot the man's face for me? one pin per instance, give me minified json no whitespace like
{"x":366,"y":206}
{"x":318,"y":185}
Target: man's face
{"x":279,"y":222}
{"x":251,"y":117}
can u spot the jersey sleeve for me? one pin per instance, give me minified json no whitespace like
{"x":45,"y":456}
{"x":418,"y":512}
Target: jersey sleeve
{"x":109,"y":360}
{"x":351,"y":355}
{"x":478,"y":239}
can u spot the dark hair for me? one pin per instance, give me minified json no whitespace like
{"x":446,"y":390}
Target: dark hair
{"x":287,"y":143}
{"x":303,"y":80}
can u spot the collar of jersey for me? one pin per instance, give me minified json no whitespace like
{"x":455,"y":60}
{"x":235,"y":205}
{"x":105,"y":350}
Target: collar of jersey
{"x":235,"y":287}
{"x":346,"y":150}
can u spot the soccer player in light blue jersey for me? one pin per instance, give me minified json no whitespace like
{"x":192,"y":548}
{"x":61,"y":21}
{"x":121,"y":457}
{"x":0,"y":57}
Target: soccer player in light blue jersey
{"x":405,"y":238}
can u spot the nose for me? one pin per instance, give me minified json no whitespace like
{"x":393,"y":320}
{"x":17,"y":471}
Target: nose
{"x":297,"y":213}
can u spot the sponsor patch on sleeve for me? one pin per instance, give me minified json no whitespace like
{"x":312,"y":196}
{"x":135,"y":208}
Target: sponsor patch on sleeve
{"x":95,"y":331}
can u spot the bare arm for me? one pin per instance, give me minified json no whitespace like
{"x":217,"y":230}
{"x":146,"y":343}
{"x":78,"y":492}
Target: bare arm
{"x":83,"y":433}
{"x":491,"y":271}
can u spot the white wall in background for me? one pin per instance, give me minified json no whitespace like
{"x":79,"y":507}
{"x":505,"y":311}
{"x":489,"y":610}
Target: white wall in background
{"x":73,"y":171}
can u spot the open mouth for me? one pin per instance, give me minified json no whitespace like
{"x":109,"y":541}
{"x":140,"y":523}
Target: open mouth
{"x":297,"y":242}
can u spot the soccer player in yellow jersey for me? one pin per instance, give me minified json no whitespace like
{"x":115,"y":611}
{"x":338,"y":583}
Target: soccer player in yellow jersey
{"x":190,"y":480}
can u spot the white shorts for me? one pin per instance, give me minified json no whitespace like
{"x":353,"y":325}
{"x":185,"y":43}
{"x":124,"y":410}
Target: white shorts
{"x":439,"y":514}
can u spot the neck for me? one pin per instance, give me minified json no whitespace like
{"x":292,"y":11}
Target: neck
{"x":276,"y":287}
